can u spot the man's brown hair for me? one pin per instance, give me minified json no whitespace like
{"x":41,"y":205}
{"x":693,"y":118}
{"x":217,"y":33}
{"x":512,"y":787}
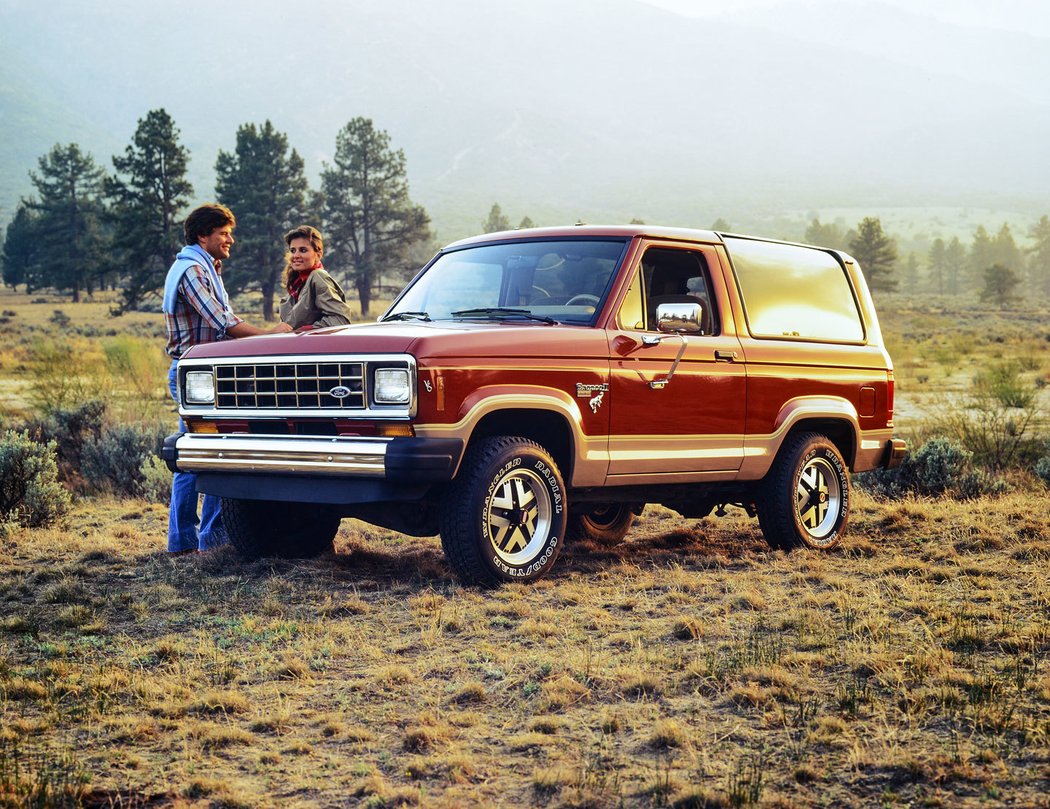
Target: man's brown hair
{"x":205,"y":219}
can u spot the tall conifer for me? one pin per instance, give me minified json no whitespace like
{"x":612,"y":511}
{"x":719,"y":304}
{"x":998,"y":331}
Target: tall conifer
{"x":876,"y":253}
{"x":69,"y":251}
{"x":263,"y":183}
{"x":370,"y":222}
{"x":148,"y":198}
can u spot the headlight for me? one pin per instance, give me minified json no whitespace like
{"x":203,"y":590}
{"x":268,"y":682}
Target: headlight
{"x":200,"y":387}
{"x":391,"y":386}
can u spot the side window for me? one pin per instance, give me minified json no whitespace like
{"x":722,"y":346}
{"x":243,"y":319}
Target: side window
{"x":792,"y":292}
{"x":676,"y":276}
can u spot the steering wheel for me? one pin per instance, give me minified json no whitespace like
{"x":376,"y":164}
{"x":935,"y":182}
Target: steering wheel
{"x":583,"y":297}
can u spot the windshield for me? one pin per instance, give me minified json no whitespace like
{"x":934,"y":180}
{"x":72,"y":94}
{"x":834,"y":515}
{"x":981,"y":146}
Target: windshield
{"x":538,"y":281}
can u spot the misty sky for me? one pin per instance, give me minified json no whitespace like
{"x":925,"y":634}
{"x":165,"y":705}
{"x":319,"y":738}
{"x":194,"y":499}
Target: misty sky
{"x":823,"y":104}
{"x":1025,"y":16}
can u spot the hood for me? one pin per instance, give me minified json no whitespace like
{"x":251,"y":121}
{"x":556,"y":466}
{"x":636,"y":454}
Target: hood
{"x":422,"y":340}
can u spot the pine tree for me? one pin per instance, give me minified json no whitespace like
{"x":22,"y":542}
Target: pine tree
{"x":999,"y":283}
{"x":264,"y":185}
{"x":910,"y":273}
{"x":369,"y":220}
{"x":147,"y":204}
{"x":1039,"y":256}
{"x":982,"y":256}
{"x":21,"y":251}
{"x":955,"y":261}
{"x":69,"y":236}
{"x":525,"y":223}
{"x":497,"y":220}
{"x":876,"y":253}
{"x":937,"y":260}
{"x":829,"y":235}
{"x":1005,"y":250}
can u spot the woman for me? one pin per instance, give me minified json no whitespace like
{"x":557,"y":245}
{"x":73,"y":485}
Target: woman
{"x":314,"y":299}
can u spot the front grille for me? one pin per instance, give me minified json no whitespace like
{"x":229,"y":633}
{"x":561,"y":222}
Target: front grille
{"x":290,"y":385}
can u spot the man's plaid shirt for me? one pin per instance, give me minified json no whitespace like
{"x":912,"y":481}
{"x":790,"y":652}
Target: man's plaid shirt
{"x":200,"y":315}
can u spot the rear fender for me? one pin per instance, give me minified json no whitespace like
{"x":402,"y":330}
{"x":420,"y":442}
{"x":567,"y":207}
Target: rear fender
{"x":760,"y":450}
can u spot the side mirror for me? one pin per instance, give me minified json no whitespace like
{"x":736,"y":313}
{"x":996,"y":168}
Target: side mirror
{"x":679,"y":318}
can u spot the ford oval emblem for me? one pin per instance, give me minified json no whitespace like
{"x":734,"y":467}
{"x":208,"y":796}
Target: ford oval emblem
{"x":339,"y":392}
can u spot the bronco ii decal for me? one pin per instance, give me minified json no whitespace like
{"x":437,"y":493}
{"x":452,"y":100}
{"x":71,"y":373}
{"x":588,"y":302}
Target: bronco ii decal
{"x":584,"y":392}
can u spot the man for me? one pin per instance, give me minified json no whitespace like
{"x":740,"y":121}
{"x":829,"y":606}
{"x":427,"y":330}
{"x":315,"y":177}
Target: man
{"x":197,"y":310}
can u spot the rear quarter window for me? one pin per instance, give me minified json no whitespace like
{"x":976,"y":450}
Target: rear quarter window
{"x":795,"y":293}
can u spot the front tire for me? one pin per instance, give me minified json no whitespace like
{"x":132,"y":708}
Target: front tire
{"x":260,"y":528}
{"x":504,"y":519}
{"x":806,"y":496}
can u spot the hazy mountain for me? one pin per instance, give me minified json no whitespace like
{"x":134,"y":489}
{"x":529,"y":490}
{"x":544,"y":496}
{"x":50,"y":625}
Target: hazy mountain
{"x":559,"y":109}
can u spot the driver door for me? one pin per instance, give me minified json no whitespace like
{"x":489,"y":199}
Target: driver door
{"x":691,"y":428}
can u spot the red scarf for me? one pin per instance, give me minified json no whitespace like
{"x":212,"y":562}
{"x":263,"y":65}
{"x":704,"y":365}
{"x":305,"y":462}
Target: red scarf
{"x":298,"y":281}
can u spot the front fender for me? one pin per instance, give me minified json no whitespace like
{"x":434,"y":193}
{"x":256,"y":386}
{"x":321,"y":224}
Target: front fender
{"x":590,"y":453}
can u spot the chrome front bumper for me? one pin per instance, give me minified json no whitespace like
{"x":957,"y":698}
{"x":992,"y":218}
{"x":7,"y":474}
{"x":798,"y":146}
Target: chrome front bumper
{"x":394,"y":459}
{"x":194,"y":452}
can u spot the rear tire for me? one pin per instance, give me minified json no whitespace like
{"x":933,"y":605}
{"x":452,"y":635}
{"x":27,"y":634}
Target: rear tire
{"x":260,"y":528}
{"x":605,"y":523}
{"x":805,"y":498}
{"x":504,"y":517}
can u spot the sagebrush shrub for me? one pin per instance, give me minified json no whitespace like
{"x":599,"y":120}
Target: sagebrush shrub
{"x":30,"y":494}
{"x":114,"y":462}
{"x":156,"y":480}
{"x":939,"y":468}
{"x":1042,"y":468}
{"x":70,"y":430}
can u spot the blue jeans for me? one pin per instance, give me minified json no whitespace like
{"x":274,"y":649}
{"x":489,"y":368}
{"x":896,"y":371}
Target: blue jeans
{"x":187,"y":532}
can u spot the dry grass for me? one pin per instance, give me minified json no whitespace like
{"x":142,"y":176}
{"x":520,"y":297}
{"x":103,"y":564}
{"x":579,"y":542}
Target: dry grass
{"x":690,"y":666}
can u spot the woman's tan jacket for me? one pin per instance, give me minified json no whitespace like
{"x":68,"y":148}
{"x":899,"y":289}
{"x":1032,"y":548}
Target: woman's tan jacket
{"x":321,"y":303}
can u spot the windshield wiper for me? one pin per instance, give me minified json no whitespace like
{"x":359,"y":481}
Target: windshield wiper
{"x":407,"y":316}
{"x":501,"y":312}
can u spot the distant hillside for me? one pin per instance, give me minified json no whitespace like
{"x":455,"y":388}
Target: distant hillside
{"x":559,"y":109}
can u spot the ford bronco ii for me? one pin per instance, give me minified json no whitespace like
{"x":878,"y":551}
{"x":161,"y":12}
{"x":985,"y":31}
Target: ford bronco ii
{"x":531,"y":387}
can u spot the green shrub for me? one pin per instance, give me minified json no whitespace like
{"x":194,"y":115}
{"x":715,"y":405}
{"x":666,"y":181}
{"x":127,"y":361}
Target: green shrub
{"x":70,"y":430}
{"x":61,"y":319}
{"x":114,"y":462}
{"x":939,"y":468}
{"x":1042,"y":468}
{"x":1004,"y":384}
{"x":30,"y":494}
{"x":996,"y":423}
{"x":156,"y":480}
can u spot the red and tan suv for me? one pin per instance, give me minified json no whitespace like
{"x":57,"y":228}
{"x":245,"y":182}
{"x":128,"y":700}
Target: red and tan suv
{"x":534,"y":386}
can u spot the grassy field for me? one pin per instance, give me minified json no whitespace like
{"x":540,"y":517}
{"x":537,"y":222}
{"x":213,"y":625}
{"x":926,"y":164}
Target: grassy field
{"x":689,"y":667}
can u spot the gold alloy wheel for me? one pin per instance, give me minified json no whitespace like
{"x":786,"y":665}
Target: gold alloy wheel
{"x":818,"y":499}
{"x":518,"y":516}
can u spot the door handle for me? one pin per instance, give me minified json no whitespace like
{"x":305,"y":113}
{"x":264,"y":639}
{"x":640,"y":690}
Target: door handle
{"x":725,"y":356}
